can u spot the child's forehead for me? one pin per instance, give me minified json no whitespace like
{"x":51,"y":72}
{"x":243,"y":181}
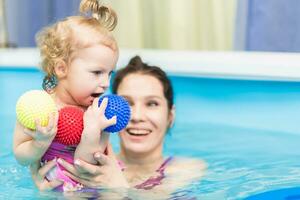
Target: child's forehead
{"x":84,"y":36}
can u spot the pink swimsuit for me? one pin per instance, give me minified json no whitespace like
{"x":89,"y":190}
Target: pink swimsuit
{"x":155,"y":180}
{"x":57,"y":150}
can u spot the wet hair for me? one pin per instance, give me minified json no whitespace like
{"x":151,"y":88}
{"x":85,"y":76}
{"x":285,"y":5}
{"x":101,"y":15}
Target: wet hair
{"x":137,"y":66}
{"x":59,"y":41}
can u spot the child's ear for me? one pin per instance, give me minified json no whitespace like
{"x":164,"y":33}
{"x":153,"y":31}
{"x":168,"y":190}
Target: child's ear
{"x":61,"y":69}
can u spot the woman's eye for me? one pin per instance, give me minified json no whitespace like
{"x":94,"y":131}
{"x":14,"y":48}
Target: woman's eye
{"x":152,"y":103}
{"x":130,"y":103}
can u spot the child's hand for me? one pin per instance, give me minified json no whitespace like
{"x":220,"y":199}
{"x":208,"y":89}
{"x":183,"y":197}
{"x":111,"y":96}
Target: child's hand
{"x":43,"y":136}
{"x":39,"y":173}
{"x":95,"y":120}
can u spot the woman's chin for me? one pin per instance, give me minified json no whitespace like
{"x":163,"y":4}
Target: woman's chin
{"x":137,"y":148}
{"x":137,"y":144}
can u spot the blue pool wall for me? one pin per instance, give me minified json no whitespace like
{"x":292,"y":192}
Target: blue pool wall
{"x":257,"y":104}
{"x":257,"y":90}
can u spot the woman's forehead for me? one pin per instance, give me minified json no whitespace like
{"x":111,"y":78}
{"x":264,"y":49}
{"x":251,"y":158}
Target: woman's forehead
{"x":141,"y":84}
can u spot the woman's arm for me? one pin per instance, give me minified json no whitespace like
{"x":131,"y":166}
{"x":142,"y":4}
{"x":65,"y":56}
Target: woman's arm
{"x":28,"y":145}
{"x":107,"y":173}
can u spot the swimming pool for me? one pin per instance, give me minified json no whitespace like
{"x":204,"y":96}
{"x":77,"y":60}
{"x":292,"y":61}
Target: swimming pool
{"x":245,"y":128}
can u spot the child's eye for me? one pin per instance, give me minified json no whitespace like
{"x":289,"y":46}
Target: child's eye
{"x":97,"y":72}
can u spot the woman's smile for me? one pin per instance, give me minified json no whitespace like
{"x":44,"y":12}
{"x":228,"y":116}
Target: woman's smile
{"x":138,"y":131}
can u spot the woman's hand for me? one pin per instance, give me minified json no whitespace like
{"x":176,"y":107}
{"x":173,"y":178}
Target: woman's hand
{"x":39,"y":173}
{"x":106,"y":174}
{"x":43,"y":136}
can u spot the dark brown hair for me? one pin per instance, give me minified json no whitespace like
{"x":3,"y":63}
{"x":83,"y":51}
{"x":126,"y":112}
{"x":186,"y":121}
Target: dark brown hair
{"x":137,"y":66}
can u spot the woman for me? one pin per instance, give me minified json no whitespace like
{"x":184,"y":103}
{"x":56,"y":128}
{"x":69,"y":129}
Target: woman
{"x":140,"y":163}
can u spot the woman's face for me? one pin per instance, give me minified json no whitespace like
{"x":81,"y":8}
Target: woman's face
{"x":150,"y":116}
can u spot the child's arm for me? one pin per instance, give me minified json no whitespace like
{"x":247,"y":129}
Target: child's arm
{"x":28,"y":145}
{"x":92,"y":140}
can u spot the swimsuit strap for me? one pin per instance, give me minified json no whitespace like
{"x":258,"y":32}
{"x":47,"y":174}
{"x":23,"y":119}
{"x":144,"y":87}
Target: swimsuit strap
{"x":163,"y":166}
{"x":155,"y":180}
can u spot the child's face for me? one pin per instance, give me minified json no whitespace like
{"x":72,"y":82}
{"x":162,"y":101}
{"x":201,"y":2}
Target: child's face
{"x":150,"y":116}
{"x":89,"y":73}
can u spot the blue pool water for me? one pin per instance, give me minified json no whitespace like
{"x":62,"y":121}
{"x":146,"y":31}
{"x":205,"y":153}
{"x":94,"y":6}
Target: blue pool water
{"x":247,"y":131}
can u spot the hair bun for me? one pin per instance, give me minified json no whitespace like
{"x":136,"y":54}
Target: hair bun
{"x":136,"y":60}
{"x":106,"y":16}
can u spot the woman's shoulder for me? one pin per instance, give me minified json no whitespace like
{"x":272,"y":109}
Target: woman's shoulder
{"x":182,"y":171}
{"x":188,"y":162}
{"x":182,"y":164}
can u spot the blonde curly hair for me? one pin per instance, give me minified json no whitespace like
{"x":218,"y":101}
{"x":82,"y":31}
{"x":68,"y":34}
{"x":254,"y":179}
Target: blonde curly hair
{"x":58,"y":41}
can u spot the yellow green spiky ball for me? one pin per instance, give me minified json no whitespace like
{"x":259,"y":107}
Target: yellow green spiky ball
{"x":32,"y":105}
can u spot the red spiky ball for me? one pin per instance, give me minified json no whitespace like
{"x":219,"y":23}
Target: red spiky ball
{"x":70,"y":126}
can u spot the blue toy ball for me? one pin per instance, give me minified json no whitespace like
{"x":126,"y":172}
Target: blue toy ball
{"x":118,"y":106}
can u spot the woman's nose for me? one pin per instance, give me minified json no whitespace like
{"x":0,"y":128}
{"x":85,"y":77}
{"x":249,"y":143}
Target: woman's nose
{"x":137,"y":113}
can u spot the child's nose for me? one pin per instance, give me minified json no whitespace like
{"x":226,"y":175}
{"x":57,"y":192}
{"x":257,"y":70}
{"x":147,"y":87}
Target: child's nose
{"x":104,"y":81}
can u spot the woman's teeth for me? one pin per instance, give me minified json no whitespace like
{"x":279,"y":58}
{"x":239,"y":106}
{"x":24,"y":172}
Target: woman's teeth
{"x":138,"y":131}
